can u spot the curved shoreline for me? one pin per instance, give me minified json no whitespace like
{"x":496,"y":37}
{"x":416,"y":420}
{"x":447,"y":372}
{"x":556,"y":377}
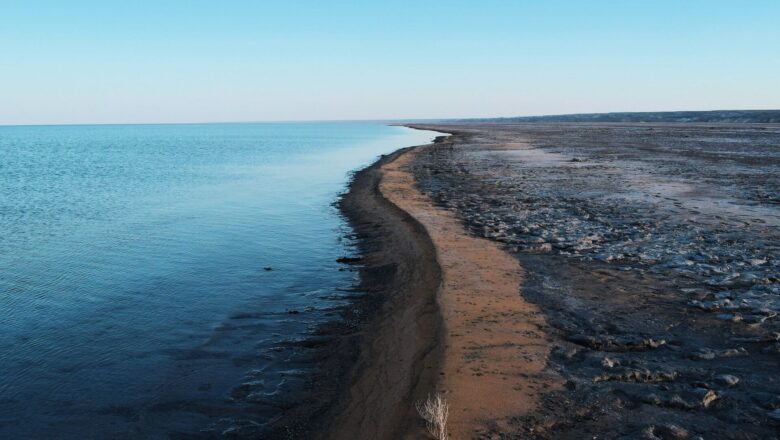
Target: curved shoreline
{"x":452,"y":319}
{"x":397,"y":357}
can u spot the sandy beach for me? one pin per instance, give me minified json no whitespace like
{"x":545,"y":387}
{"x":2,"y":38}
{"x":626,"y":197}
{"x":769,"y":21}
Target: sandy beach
{"x":454,"y":325}
{"x":562,"y":334}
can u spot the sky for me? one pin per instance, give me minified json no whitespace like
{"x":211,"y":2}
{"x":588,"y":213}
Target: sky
{"x":232,"y":61}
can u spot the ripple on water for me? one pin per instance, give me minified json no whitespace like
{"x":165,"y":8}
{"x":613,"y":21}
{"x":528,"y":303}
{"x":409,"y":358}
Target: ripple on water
{"x":133,"y":297}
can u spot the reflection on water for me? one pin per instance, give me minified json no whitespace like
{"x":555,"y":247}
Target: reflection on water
{"x":133,"y":294}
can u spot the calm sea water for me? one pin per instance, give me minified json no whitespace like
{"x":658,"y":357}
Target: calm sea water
{"x":133,"y":295}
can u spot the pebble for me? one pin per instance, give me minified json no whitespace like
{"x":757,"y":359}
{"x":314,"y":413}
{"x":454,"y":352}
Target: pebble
{"x":727,"y":379}
{"x":708,"y":397}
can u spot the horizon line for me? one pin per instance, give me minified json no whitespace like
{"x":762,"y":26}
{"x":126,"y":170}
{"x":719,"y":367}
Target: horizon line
{"x":308,"y":121}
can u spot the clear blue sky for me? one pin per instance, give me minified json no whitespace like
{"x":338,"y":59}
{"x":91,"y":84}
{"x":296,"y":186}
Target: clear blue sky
{"x":188,"y":61}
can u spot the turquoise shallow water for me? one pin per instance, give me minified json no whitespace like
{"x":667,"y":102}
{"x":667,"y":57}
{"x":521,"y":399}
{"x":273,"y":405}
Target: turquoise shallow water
{"x":132,"y":290}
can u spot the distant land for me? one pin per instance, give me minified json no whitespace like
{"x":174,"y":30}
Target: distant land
{"x":752,"y":116}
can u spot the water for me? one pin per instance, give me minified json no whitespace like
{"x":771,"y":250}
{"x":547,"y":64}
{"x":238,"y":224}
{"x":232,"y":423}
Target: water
{"x":133,"y":294}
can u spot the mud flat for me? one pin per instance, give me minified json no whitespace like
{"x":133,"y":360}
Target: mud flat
{"x":652,"y":251}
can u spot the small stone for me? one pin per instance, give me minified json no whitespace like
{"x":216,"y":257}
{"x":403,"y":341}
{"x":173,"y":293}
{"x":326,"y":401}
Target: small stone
{"x":703,"y":354}
{"x":727,"y":379}
{"x":672,"y":431}
{"x":648,"y":434}
{"x":546,"y":247}
{"x":709,"y":397}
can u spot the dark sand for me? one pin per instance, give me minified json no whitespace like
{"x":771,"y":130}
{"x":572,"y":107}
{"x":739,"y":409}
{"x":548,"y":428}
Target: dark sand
{"x":380,"y":356}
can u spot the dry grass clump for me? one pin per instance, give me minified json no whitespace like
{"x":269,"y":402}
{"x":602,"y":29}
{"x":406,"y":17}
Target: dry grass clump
{"x":434,"y":410}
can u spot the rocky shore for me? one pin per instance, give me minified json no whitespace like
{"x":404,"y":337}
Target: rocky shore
{"x":652,"y":250}
{"x":562,"y":281}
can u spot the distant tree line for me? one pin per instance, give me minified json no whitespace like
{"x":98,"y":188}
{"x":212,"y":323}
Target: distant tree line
{"x":752,"y":116}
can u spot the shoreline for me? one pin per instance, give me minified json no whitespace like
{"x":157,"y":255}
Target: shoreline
{"x":397,"y":274}
{"x":521,"y":340}
{"x":439,"y":287}
{"x":395,"y":359}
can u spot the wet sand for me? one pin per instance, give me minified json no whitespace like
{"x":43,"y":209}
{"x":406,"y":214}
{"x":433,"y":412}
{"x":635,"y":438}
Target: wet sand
{"x":400,"y":347}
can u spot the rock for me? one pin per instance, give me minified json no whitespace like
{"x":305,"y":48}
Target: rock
{"x":709,"y":354}
{"x":713,"y":306}
{"x":774,"y":415}
{"x":708,"y":397}
{"x":727,"y":379}
{"x":546,"y":247}
{"x":732,"y":352}
{"x":672,"y":431}
{"x":609,"y":362}
{"x":616,"y":343}
{"x":677,"y":401}
{"x":663,"y":432}
{"x":733,"y":317}
{"x":703,"y":354}
{"x":648,"y":434}
{"x":640,"y":376}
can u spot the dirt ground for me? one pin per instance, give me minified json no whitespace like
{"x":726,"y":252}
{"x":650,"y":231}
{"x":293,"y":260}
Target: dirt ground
{"x":653,"y":251}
